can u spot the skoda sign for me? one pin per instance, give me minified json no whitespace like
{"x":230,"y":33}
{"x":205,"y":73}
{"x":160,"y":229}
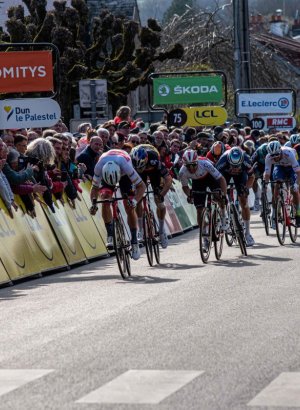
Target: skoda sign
{"x":187,"y":90}
{"x":264,"y":103}
{"x":29,"y":113}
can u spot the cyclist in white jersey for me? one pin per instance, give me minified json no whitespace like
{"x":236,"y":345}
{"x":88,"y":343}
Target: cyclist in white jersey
{"x":203,"y":175}
{"x":114,"y":167}
{"x":286,"y":167}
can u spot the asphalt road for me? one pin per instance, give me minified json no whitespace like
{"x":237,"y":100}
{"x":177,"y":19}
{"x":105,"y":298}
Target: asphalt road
{"x":181,"y":335}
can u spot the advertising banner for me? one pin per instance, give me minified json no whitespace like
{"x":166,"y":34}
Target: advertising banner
{"x":85,"y":229}
{"x":172,"y":220}
{"x":26,"y":71}
{"x":187,"y":90}
{"x":29,"y":113}
{"x":265,"y":103}
{"x":189,"y":208}
{"x":4,"y":278}
{"x":85,"y":93}
{"x":280,"y":123}
{"x":195,"y":116}
{"x":16,"y":252}
{"x":65,"y":233}
{"x":45,"y":249}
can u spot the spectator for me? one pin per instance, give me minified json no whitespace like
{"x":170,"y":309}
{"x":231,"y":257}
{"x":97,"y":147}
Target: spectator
{"x":124,"y":115}
{"x":143,"y":137}
{"x":9,"y":140}
{"x":5,"y":190}
{"x":123,"y":129}
{"x":104,"y":135}
{"x":158,"y":139}
{"x":133,"y":139}
{"x":90,"y":155}
{"x":32,"y":135}
{"x":21,"y":144}
{"x":111,"y":127}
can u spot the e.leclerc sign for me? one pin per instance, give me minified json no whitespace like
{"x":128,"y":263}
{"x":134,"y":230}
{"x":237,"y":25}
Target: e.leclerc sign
{"x":29,"y":113}
{"x":265,"y":103}
{"x":187,"y":90}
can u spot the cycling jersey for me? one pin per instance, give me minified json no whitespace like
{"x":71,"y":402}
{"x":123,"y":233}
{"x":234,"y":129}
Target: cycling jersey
{"x":154,"y":164}
{"x":259,"y":155}
{"x":288,"y":159}
{"x":205,"y":168}
{"x":122,"y":159}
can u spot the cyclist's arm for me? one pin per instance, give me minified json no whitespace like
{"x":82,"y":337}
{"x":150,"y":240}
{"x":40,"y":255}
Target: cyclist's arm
{"x":268,"y":166}
{"x":95,"y":187}
{"x":250,"y":181}
{"x":187,"y":191}
{"x":139,"y":191}
{"x":223,"y":185}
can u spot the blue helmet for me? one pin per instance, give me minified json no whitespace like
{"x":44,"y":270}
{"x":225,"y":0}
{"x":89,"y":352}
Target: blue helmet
{"x":235,"y":156}
{"x":139,"y":157}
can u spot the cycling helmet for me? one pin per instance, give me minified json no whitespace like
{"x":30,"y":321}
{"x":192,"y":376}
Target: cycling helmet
{"x":217,"y":149}
{"x":139,"y":157}
{"x":295,"y":139}
{"x":274,"y":148}
{"x":189,"y":157}
{"x":111,"y":173}
{"x":235,"y":156}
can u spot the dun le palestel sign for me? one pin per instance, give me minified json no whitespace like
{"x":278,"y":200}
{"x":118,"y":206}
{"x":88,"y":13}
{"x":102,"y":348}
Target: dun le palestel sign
{"x":26,"y":71}
{"x":187,"y":90}
{"x":29,"y":112}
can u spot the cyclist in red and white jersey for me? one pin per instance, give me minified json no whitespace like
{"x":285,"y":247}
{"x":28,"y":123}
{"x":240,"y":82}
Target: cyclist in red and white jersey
{"x":115,"y":167}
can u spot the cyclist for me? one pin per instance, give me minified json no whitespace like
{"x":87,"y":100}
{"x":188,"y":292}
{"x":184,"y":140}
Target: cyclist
{"x":203,"y":175}
{"x":258,"y":162}
{"x":286,"y":167}
{"x":294,"y":140}
{"x":146,"y":160}
{"x":236,"y":164}
{"x":115,"y":167}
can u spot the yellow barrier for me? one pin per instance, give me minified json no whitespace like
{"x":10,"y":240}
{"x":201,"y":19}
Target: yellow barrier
{"x":86,"y":187}
{"x":45,"y":249}
{"x":15,"y":251}
{"x":65,"y":234}
{"x":4,"y":278}
{"x":85,"y":229}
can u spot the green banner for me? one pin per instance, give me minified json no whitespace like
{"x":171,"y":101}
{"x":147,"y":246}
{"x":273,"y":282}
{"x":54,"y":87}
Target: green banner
{"x":187,"y":90}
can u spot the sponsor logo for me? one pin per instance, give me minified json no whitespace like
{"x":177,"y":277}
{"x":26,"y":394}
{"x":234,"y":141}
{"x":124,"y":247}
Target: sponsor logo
{"x":23,"y":72}
{"x":163,"y":90}
{"x":283,"y":103}
{"x":195,"y":89}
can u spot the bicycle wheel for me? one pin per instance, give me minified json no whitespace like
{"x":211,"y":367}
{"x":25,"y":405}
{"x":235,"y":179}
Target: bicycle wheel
{"x":280,"y":220}
{"x":121,"y":249}
{"x":239,"y":230}
{"x":148,"y":236}
{"x":293,"y":230}
{"x":217,"y":234}
{"x":229,"y":235}
{"x":205,"y":234}
{"x":155,"y":239}
{"x":265,"y":212}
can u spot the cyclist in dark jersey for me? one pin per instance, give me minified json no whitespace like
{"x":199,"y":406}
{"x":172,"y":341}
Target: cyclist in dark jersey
{"x":146,"y":161}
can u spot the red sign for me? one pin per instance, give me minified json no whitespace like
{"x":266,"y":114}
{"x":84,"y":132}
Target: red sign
{"x":280,"y":122}
{"x":26,"y":71}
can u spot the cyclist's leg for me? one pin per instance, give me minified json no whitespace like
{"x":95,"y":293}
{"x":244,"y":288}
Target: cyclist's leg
{"x":296,"y":197}
{"x":106,"y":192}
{"x":240,"y":182}
{"x":139,"y":211}
{"x":278,"y":175}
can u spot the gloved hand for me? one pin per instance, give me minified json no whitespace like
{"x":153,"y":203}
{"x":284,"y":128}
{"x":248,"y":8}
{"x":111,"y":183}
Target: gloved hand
{"x":131,"y":203}
{"x":93,"y":209}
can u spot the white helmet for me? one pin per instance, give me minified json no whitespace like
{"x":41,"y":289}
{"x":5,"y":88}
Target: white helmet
{"x":295,"y":139}
{"x":111,"y":173}
{"x":274,"y":148}
{"x":189,"y":157}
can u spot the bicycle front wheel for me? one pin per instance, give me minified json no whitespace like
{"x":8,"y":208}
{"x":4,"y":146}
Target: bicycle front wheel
{"x":218,"y":234}
{"x":205,"y":234}
{"x":280,"y":221}
{"x":293,"y":230}
{"x":148,"y":237}
{"x":239,"y":231}
{"x":121,"y":247}
{"x":265,"y":212}
{"x":155,"y":240}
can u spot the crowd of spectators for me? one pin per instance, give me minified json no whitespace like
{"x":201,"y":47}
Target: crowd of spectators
{"x":38,"y":164}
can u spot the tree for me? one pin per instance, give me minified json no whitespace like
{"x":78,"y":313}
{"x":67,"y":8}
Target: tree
{"x":111,"y":47}
{"x":178,"y":7}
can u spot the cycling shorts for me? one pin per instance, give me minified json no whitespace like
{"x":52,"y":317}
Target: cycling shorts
{"x":200,"y":185}
{"x":284,"y":173}
{"x":240,"y":181}
{"x":125,"y":186}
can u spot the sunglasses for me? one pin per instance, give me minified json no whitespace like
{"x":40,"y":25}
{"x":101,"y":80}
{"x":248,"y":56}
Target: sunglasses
{"x":275,"y":155}
{"x":192,"y":165}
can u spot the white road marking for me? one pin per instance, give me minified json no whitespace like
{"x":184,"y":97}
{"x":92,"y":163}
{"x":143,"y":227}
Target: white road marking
{"x":11,"y":379}
{"x":141,"y":387}
{"x":284,"y":391}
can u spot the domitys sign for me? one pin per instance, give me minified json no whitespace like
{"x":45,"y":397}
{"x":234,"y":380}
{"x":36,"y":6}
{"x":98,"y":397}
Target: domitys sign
{"x":26,"y":71}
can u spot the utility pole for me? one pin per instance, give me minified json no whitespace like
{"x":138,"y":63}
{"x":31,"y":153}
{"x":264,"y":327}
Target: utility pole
{"x":242,"y":57}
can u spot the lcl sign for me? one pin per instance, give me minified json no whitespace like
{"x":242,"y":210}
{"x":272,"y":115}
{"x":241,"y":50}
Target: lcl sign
{"x":26,"y":71}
